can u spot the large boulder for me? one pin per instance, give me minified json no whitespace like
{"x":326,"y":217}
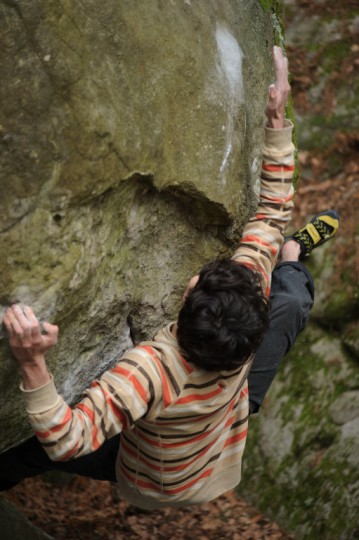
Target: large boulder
{"x":130,"y":137}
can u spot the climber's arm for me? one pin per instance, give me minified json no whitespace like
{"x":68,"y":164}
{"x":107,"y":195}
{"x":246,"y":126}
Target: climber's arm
{"x":262,"y":237}
{"x":114,"y":402}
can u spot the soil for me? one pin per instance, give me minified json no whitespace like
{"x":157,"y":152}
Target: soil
{"x":86,"y":509}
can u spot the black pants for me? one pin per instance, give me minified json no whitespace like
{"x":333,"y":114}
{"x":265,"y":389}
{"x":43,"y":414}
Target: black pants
{"x":291,"y":300}
{"x":292,"y":296}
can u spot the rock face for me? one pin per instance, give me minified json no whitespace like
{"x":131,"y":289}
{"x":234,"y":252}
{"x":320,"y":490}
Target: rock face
{"x":130,"y":140}
{"x":15,"y":527}
{"x":302,"y":462}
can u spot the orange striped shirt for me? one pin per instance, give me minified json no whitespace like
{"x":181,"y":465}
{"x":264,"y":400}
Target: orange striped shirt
{"x":183,"y":429}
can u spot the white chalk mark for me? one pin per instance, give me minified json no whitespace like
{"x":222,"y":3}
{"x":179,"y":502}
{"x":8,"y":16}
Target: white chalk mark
{"x":226,"y":156}
{"x":231,"y":56}
{"x":230,"y":72}
{"x":254,"y":167}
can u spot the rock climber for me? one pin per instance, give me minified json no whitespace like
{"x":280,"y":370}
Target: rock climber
{"x":168,"y":422}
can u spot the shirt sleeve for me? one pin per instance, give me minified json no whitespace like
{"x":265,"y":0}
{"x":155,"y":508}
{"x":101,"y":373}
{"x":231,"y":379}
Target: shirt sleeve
{"x":123,"y":395}
{"x":263,"y":237}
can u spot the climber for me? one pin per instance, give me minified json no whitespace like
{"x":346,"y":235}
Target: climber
{"x":169,"y":421}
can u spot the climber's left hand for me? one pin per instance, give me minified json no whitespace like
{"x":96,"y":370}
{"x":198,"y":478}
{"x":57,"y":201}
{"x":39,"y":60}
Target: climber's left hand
{"x":28,"y":344}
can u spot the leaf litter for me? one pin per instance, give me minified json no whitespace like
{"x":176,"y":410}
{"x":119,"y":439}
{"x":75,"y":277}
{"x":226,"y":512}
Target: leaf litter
{"x":85,"y":509}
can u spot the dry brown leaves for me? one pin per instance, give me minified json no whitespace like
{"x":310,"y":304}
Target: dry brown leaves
{"x":306,"y":64}
{"x":89,"y":510}
{"x":329,"y":178}
{"x":320,"y":189}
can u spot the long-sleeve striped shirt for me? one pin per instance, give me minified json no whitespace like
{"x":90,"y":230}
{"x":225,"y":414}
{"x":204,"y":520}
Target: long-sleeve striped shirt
{"x":183,"y":429}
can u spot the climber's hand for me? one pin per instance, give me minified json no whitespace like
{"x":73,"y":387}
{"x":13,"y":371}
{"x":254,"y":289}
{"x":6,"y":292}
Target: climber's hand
{"x":278,"y":92}
{"x":28,"y":344}
{"x":24,"y":331}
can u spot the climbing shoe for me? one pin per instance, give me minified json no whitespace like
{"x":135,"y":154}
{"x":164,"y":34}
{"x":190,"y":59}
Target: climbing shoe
{"x":319,"y":229}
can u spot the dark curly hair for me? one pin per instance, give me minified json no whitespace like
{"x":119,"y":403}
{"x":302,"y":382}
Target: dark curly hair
{"x":224,"y":317}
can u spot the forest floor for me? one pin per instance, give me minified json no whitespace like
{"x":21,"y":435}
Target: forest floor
{"x":329,"y":175}
{"x":84,"y":509}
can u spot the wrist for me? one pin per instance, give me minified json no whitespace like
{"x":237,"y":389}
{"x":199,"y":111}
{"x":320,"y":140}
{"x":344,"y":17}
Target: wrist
{"x":275,"y":123}
{"x":35,"y":374}
{"x":276,"y":139}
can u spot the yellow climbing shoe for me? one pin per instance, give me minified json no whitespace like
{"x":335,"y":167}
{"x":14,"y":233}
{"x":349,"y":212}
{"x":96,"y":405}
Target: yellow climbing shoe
{"x":319,"y":229}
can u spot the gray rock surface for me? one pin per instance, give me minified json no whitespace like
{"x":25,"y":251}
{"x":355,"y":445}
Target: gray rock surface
{"x":130,"y":137}
{"x":345,"y":408}
{"x":15,"y":527}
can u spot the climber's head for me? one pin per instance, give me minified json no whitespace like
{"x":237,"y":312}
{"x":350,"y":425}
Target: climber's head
{"x":223,"y":317}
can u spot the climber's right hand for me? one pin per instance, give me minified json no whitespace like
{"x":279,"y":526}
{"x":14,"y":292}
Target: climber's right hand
{"x":278,"y":92}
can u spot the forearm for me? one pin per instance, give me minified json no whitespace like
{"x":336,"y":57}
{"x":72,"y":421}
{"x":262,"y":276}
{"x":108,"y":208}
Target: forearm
{"x":263,"y":235}
{"x":111,"y":404}
{"x":55,"y":425}
{"x":64,"y":432}
{"x":276,"y":189}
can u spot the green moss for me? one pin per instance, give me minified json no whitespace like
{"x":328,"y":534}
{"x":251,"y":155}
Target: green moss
{"x":276,"y":10}
{"x":309,"y":499}
{"x":300,"y":499}
{"x":266,"y":4}
{"x":342,"y":308}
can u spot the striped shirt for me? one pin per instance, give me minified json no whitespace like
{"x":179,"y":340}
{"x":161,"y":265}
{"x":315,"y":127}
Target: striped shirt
{"x":183,"y":429}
